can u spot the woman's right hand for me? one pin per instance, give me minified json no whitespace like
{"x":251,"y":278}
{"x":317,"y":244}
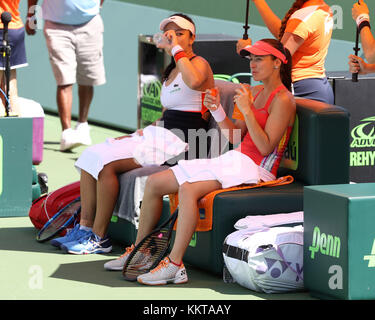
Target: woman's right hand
{"x":171,"y":37}
{"x":244,"y":99}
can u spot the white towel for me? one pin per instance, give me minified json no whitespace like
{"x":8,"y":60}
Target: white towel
{"x":154,"y":147}
{"x":259,"y":222}
{"x":157,"y":146}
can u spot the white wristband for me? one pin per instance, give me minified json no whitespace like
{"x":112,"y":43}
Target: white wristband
{"x":176,"y":49}
{"x":219,"y":114}
{"x":362,"y":17}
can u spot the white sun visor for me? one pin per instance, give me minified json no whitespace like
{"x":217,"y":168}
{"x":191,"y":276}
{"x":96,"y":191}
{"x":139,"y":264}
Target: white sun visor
{"x":180,"y":21}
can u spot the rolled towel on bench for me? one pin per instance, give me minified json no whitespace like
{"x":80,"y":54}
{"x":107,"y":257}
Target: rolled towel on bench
{"x":255,"y":222}
{"x":154,"y":147}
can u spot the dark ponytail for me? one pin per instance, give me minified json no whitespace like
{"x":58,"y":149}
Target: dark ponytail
{"x":172,"y":65}
{"x":296,"y":6}
{"x":168,"y":70}
{"x":286,"y":68}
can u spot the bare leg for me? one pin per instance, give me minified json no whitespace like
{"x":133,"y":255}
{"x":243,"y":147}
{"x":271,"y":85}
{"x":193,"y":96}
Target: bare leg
{"x":88,"y":199}
{"x":188,"y":195}
{"x":157,"y":185}
{"x":107,"y":188}
{"x":64,"y":97}
{"x":2,"y":99}
{"x":85,"y":95}
{"x":13,"y":92}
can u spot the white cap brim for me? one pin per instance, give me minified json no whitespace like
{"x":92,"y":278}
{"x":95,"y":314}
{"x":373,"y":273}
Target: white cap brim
{"x":180,"y":21}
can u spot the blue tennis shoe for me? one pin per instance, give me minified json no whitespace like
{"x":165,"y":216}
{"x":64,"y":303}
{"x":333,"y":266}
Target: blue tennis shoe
{"x":72,"y":235}
{"x":88,"y":244}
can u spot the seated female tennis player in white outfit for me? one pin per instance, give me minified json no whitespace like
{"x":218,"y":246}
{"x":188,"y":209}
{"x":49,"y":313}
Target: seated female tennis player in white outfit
{"x":185,"y":80}
{"x":265,"y":115}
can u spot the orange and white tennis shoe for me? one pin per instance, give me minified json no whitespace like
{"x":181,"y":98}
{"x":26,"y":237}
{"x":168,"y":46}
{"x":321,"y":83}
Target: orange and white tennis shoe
{"x":166,"y":272}
{"x":143,"y":260}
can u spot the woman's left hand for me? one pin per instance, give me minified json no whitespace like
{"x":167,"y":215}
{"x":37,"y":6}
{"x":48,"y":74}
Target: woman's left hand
{"x":244,"y":99}
{"x":358,"y":9}
{"x":211,"y":101}
{"x":241,"y":43}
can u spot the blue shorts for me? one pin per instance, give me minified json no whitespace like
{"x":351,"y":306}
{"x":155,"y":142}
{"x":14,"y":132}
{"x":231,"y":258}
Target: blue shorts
{"x":16,"y":38}
{"x":314,"y":88}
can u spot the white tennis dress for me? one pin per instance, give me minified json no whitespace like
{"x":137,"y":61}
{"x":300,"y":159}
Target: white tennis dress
{"x":232,"y":168}
{"x":154,"y":147}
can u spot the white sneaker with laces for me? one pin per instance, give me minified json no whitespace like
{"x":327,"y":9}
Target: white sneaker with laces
{"x":166,"y":272}
{"x":68,"y":140}
{"x":118,"y":264}
{"x":143,"y":261}
{"x":83,"y":133}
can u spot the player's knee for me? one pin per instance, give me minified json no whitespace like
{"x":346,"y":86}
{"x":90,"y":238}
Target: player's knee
{"x":186,"y":191}
{"x":108,"y":170}
{"x":153,"y":185}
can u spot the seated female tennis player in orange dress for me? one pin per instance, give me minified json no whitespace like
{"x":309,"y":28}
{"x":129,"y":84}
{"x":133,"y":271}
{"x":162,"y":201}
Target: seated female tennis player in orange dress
{"x":264,"y":116}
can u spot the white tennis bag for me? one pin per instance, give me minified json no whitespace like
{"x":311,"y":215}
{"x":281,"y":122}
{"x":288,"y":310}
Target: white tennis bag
{"x":266,"y":259}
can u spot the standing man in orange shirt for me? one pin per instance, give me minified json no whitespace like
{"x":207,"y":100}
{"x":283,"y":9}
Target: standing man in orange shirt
{"x":360,"y":14}
{"x":306,"y":31}
{"x":16,"y":38}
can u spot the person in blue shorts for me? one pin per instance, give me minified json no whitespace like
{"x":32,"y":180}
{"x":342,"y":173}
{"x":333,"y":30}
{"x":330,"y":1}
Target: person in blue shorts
{"x":306,"y":31}
{"x":16,"y":38}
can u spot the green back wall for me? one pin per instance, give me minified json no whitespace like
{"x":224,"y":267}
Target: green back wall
{"x":234,"y":10}
{"x":115,"y":103}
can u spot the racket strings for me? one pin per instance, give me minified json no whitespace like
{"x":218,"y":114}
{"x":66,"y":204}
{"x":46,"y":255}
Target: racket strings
{"x":65,"y":215}
{"x":59,"y":220}
{"x":147,"y":255}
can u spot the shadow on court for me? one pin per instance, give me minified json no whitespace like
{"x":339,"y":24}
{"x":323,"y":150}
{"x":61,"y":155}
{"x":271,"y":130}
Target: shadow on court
{"x":22,"y":239}
{"x":93,"y":272}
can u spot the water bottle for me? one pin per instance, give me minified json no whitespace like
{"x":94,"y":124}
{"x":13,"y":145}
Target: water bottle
{"x":160,"y":40}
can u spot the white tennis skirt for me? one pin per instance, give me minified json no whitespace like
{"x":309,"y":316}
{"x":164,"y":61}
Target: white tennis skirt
{"x":231,"y":169}
{"x":154,"y":147}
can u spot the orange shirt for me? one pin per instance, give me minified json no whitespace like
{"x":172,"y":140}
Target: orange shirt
{"x":314,"y":24}
{"x":12,"y":7}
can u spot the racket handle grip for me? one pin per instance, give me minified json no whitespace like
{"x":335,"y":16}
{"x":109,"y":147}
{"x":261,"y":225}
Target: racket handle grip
{"x":354,"y":77}
{"x":245,"y":36}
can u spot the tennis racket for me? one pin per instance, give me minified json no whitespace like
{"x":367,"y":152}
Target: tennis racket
{"x":245,"y":36}
{"x":246,"y":26}
{"x":356,"y":50}
{"x":150,"y":251}
{"x":60,"y":220}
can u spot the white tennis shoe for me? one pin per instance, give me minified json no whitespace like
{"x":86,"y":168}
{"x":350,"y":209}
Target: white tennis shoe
{"x":69,"y":140}
{"x":143,"y":262}
{"x":83,"y":133}
{"x":166,"y":272}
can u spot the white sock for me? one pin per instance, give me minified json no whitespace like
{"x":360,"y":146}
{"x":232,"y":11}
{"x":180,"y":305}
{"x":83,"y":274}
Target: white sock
{"x":81,"y":124}
{"x":85,"y":228}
